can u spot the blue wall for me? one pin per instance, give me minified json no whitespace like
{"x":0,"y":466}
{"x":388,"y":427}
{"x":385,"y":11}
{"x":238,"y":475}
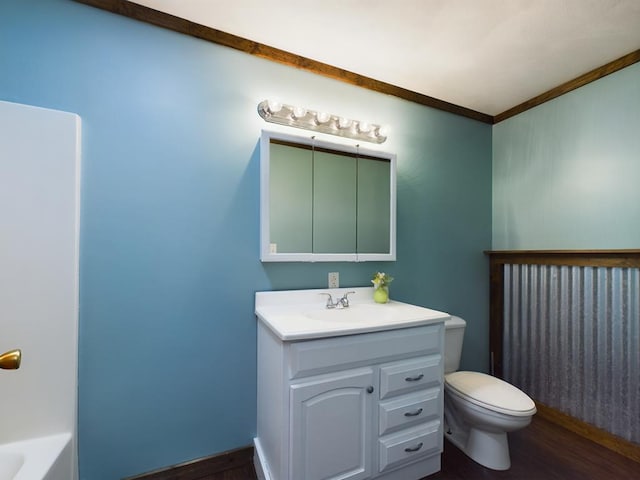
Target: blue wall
{"x":170,"y":226}
{"x":565,"y":174}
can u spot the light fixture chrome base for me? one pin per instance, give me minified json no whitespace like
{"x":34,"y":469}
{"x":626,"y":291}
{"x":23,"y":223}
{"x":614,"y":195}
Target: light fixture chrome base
{"x":322,"y":122}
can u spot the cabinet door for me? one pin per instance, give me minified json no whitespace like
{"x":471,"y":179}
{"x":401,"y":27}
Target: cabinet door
{"x":331,"y":426}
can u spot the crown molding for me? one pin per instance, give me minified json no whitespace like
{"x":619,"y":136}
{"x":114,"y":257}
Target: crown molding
{"x":187,"y":27}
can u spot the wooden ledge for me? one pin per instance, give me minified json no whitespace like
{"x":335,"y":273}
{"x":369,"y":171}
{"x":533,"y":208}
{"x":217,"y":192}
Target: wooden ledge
{"x":584,"y":258}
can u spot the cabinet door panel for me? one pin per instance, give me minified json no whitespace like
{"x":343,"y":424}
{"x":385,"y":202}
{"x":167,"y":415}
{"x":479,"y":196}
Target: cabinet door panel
{"x":334,"y":203}
{"x":331,"y":426}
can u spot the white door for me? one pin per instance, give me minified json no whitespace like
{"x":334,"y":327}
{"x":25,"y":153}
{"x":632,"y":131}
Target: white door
{"x":39,"y":195}
{"x":331,"y":426}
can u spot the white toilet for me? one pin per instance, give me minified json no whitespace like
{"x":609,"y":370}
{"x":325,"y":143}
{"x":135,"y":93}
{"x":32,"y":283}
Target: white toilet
{"x":480,"y":409}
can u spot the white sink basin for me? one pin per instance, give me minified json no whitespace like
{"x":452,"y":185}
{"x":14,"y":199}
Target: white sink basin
{"x":365,"y":312}
{"x":10,"y":464}
{"x":301,"y":314}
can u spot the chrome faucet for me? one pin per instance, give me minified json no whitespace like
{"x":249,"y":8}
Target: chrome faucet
{"x":340,"y":303}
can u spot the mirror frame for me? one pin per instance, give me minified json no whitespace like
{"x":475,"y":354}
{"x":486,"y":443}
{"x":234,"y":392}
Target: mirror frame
{"x":266,"y":255}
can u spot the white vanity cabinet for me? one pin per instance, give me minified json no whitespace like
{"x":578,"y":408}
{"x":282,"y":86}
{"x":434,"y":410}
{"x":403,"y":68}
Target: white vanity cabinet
{"x":359,"y":406}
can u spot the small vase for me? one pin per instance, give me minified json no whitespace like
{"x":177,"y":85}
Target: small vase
{"x":381,"y":295}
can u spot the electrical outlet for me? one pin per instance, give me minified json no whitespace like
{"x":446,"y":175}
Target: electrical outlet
{"x":334,"y":280}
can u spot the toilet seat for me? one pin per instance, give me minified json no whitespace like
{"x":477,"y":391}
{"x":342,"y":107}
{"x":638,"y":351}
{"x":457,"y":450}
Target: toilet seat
{"x":491,"y":393}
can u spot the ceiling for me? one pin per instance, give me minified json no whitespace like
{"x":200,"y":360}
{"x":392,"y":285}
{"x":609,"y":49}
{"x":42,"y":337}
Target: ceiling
{"x":485,"y":55}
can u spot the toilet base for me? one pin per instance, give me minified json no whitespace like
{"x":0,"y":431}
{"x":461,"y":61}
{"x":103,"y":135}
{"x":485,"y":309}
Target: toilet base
{"x":489,"y":449}
{"x":492,"y":448}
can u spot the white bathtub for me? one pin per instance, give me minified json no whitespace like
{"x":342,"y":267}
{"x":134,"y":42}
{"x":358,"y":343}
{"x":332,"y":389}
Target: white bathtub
{"x":43,"y":458}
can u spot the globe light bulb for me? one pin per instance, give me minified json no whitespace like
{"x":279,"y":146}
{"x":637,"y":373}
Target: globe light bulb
{"x":323,"y":117}
{"x":364,"y":127}
{"x":274,"y":106}
{"x":344,"y":122}
{"x":299,"y":112}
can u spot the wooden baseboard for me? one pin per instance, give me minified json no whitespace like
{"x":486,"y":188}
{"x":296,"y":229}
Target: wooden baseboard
{"x":597,"y":435}
{"x":201,"y":467}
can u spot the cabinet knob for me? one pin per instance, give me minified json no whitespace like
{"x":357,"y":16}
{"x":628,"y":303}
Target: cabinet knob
{"x":370,"y":389}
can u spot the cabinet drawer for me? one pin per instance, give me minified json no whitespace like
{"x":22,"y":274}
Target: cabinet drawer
{"x":409,"y":445}
{"x":408,"y":375}
{"x":314,"y":357}
{"x":408,"y":410}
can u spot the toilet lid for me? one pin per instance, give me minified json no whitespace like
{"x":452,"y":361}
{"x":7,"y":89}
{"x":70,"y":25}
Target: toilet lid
{"x":491,"y":393}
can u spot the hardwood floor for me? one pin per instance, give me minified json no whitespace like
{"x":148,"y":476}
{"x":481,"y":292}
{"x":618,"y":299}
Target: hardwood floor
{"x":242,"y":473}
{"x":542,"y":451}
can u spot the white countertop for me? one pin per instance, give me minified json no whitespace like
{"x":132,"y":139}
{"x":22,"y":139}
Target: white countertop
{"x":302,"y":314}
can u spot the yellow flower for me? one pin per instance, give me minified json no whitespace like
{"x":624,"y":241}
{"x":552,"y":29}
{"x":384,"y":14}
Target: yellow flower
{"x":381,"y":279}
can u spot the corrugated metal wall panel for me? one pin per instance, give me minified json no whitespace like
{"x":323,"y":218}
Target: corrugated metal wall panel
{"x":572,"y":341}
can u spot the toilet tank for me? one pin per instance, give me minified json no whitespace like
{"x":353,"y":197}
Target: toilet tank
{"x":453,"y":337}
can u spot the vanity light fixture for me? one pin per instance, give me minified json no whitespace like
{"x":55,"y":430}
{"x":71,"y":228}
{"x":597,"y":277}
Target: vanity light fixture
{"x":300,"y":117}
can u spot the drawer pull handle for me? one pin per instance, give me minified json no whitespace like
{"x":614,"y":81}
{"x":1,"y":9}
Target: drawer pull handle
{"x":415,"y":379}
{"x":413,"y":414}
{"x":413,"y":449}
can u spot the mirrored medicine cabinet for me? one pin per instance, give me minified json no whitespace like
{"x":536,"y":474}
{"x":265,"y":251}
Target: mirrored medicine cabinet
{"x":325,"y":202}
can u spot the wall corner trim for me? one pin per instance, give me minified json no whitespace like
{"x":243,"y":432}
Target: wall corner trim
{"x":582,"y":80}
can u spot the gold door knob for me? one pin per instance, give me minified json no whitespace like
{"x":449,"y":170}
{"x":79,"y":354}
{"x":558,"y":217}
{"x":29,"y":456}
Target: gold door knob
{"x":10,"y":360}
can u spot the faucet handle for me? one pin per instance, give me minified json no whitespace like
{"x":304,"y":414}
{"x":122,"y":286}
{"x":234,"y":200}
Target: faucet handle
{"x":330,"y":303}
{"x":345,"y":299}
